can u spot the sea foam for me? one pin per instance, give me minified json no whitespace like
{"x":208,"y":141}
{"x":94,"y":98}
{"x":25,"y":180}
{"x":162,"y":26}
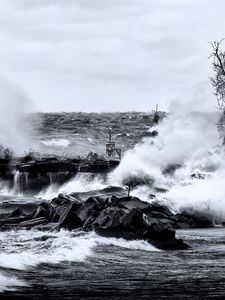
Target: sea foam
{"x":25,"y":249}
{"x":10,"y":283}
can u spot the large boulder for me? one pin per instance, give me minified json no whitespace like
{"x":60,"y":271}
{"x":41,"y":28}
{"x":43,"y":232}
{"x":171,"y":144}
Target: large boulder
{"x":106,"y":213}
{"x":192,"y":219}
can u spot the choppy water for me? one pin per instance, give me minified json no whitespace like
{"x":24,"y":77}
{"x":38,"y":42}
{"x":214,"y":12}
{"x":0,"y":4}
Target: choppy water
{"x":70,"y":265}
{"x":79,"y":133}
{"x":76,"y":265}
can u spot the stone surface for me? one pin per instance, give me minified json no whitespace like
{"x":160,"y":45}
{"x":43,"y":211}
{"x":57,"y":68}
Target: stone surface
{"x":110,"y":213}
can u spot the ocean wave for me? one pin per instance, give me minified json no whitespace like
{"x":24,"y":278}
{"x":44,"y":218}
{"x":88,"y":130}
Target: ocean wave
{"x":62,"y":143}
{"x":82,"y":182}
{"x":9,"y":283}
{"x":22,"y":249}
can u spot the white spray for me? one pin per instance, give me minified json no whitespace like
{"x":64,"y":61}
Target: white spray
{"x":14,"y":108}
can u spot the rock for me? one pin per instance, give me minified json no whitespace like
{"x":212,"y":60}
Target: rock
{"x":69,"y":219}
{"x":15,"y":217}
{"x":29,"y":223}
{"x":85,"y":210}
{"x":27,"y":208}
{"x":18,"y":212}
{"x":171,"y":244}
{"x":192,"y":219}
{"x":108,"y":215}
{"x":33,"y":222}
{"x":41,"y":210}
{"x":103,"y":193}
{"x":56,"y":212}
{"x":130,"y":203}
{"x":48,"y":227}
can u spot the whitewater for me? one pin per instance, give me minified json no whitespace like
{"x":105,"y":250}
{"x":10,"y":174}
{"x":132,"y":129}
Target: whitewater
{"x":183,"y":167}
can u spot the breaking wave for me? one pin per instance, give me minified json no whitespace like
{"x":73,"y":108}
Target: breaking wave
{"x":182,"y":166}
{"x":82,"y":182}
{"x":25,"y":249}
{"x":62,"y":143}
{"x":9,"y":283}
{"x":184,"y":162}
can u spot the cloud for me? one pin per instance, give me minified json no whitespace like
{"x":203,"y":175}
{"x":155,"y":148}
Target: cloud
{"x":97,"y":55}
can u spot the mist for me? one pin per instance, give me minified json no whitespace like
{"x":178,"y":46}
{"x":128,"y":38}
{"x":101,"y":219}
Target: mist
{"x":183,"y":137}
{"x":15,"y":130}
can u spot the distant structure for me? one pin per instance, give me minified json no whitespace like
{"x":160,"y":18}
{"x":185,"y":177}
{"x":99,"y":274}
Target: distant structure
{"x":111,"y":149}
{"x":156,"y":115}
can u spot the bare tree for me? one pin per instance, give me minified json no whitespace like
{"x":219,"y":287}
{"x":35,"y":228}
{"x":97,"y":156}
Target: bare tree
{"x":218,"y":82}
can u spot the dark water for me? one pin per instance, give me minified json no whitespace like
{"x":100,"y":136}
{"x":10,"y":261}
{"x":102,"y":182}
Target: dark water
{"x":89,"y":131}
{"x":71,"y":265}
{"x":114,"y":272}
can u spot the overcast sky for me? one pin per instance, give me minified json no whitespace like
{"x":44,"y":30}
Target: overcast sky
{"x":110,"y":55}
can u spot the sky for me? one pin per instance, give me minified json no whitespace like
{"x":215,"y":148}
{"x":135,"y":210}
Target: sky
{"x":109,"y":55}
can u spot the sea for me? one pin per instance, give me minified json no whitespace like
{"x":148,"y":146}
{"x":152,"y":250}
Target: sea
{"x":80,"y":265}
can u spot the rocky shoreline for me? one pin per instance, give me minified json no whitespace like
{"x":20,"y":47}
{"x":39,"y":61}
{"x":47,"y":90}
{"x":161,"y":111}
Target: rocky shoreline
{"x":108,"y":212}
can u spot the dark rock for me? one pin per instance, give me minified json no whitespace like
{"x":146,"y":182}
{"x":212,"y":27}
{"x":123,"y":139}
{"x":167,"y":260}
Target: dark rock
{"x":192,"y":219}
{"x":69,"y":218}
{"x":85,"y":210}
{"x":103,"y":193}
{"x":48,"y":227}
{"x":41,"y":210}
{"x":171,"y":244}
{"x":156,"y":207}
{"x":18,"y":212}
{"x":108,"y":215}
{"x":33,"y":222}
{"x":27,"y":208}
{"x":130,"y":203}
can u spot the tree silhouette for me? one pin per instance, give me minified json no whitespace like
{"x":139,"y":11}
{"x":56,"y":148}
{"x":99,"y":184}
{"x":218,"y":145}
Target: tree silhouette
{"x":218,"y":82}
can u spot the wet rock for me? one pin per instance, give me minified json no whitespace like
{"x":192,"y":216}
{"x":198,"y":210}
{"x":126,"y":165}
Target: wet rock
{"x":48,"y":227}
{"x":69,"y":218}
{"x":41,"y":211}
{"x":28,"y":224}
{"x":33,"y":222}
{"x":18,"y":212}
{"x":192,"y":219}
{"x":108,"y":215}
{"x":130,"y":203}
{"x":171,"y":244}
{"x":9,"y":207}
{"x":103,"y":193}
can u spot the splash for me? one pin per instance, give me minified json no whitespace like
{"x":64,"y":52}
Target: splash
{"x":9,"y":283}
{"x":187,"y":141}
{"x":60,"y":143}
{"x":82,"y":182}
{"x":15,"y":131}
{"x":22,"y":250}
